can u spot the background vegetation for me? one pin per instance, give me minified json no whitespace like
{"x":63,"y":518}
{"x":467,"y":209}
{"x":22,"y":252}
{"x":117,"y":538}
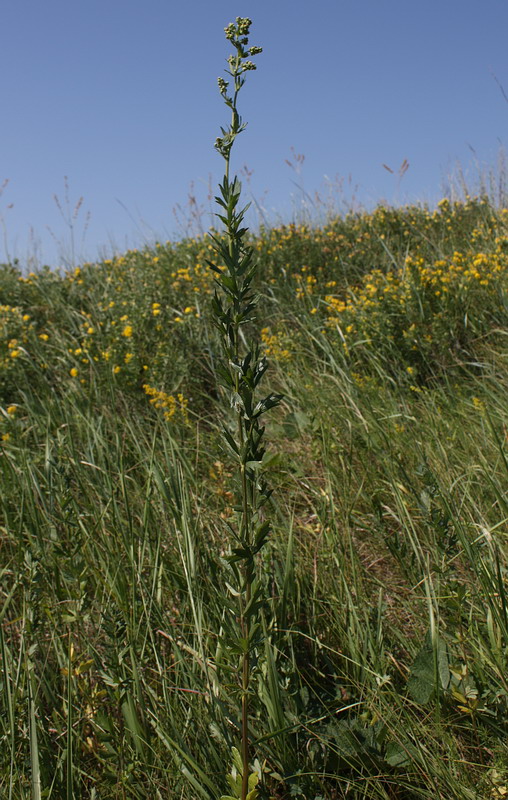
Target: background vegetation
{"x":386,"y":614}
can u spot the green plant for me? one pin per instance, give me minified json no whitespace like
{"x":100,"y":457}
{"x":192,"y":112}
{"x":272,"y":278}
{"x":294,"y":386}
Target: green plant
{"x":240,"y":372}
{"x":380,"y":671}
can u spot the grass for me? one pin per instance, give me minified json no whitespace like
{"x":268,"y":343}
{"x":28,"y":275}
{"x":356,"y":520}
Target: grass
{"x":170,"y":628}
{"x":385,"y":616}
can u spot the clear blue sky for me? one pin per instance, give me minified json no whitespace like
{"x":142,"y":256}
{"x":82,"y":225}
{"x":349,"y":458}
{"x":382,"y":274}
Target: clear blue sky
{"x":121,"y":97}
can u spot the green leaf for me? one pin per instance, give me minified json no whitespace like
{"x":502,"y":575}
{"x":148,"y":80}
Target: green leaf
{"x":270,"y":401}
{"x":237,"y":760}
{"x":231,"y":442}
{"x":253,"y":782}
{"x":398,"y":755}
{"x":430,"y":671}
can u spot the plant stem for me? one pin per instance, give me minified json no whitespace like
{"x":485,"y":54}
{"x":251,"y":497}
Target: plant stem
{"x":242,"y":369}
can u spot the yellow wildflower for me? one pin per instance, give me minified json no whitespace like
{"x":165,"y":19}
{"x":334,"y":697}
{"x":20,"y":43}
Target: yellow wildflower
{"x":478,"y":404}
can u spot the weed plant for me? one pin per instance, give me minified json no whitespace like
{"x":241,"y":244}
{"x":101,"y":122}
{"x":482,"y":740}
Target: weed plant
{"x":240,"y":372}
{"x":382,"y":668}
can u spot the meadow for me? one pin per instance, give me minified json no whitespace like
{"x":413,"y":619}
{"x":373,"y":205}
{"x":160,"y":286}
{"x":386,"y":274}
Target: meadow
{"x":382,"y":671}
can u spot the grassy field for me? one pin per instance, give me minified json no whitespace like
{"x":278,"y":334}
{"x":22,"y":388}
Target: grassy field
{"x":384,"y":666}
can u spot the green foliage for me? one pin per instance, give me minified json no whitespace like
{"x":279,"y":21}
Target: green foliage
{"x":430,"y":672}
{"x":378,"y":612}
{"x":235,"y":780}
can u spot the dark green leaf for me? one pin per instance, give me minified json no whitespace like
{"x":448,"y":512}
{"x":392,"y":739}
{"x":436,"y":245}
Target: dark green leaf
{"x":430,"y":671}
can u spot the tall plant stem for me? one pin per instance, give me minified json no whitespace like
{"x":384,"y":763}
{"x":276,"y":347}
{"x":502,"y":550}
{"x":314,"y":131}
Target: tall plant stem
{"x":241,"y":370}
{"x":245,"y":523}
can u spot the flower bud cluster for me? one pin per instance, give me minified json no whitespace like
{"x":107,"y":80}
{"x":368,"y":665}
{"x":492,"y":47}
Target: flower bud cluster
{"x":230,"y":31}
{"x":238,"y":64}
{"x":223,"y":85}
{"x":240,"y":28}
{"x":243,"y":24}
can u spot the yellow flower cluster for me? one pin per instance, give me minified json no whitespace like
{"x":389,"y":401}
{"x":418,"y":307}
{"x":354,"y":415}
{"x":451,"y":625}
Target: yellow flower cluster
{"x":463,"y":272}
{"x":346,"y":245}
{"x":167,"y":402}
{"x":274,"y":345}
{"x":136,"y":314}
{"x":16,"y":330}
{"x":479,"y":405}
{"x":421,"y":305}
{"x":7,"y":422}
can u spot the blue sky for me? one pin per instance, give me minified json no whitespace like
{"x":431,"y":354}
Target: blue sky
{"x":120,"y":96}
